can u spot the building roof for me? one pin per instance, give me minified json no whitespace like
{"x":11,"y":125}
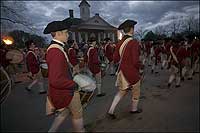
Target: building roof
{"x":95,"y":22}
{"x":73,"y":21}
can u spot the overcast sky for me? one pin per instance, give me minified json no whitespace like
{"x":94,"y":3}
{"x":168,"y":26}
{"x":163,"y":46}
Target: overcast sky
{"x":149,"y":14}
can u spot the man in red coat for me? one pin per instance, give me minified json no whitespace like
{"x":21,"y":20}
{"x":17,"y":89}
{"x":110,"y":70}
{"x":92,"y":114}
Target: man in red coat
{"x":109,"y":50}
{"x":149,"y":52}
{"x":156,"y":57}
{"x":63,"y":94}
{"x":194,"y":57}
{"x":127,"y":53}
{"x":73,"y":56}
{"x":33,"y":67}
{"x":168,"y":44}
{"x":163,"y":55}
{"x":94,"y":65}
{"x":178,"y":54}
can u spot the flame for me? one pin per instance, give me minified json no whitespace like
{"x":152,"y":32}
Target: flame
{"x":8,"y":40}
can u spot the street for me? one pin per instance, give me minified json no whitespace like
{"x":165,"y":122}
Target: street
{"x":164,"y":109}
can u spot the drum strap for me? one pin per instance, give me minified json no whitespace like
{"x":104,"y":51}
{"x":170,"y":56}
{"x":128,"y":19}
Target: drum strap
{"x":58,"y":46}
{"x":106,"y":46}
{"x":32,"y":53}
{"x":55,"y":44}
{"x":89,"y":52}
{"x":122,"y":49}
{"x":174,"y":55}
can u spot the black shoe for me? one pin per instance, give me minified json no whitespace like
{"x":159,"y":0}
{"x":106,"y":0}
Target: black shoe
{"x":189,"y":78}
{"x":30,"y":77}
{"x":101,"y":95}
{"x":43,"y":92}
{"x":27,"y":89}
{"x":177,"y":86}
{"x":112,"y":74}
{"x":156,"y":72}
{"x":161,"y":68}
{"x":16,"y":82}
{"x":182,"y":79}
{"x":151,"y":71}
{"x":112,"y":116}
{"x":168,"y":85}
{"x":193,"y":73}
{"x":136,"y":112}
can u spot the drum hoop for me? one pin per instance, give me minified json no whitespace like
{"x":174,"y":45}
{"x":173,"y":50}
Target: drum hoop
{"x":18,"y":52}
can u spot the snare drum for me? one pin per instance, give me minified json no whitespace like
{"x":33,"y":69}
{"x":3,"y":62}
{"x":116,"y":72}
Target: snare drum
{"x":85,"y":82}
{"x":87,"y":86}
{"x":81,"y":62}
{"x":103,"y":66}
{"x":103,"y":69}
{"x":15,"y":55}
{"x":44,"y":70}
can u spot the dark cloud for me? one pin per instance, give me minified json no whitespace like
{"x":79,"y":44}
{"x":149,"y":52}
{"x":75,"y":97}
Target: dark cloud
{"x":149,"y":14}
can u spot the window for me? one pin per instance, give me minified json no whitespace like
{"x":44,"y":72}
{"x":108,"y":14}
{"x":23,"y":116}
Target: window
{"x":83,"y":10}
{"x":96,"y":21}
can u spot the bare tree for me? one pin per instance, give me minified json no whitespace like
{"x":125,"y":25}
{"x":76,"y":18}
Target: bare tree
{"x":140,"y":33}
{"x":13,"y":14}
{"x":175,"y":26}
{"x":160,"y":30}
{"x":191,"y":24}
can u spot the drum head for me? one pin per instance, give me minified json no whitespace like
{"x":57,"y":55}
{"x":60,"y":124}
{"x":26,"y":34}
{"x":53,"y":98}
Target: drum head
{"x":85,"y":82}
{"x":15,"y":55}
{"x":44,"y":65}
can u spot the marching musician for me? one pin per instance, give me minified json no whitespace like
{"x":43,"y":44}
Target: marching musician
{"x":148,"y":51}
{"x":33,"y":67}
{"x":94,"y":65}
{"x":63,"y":92}
{"x":72,"y":52}
{"x":156,"y":57}
{"x":109,"y":50}
{"x":163,"y":55}
{"x":177,"y":56}
{"x":168,"y":44}
{"x":127,"y":53}
{"x":194,"y":57}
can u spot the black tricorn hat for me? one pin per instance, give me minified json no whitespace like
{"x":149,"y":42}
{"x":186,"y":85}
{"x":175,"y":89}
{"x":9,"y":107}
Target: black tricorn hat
{"x":56,"y":26}
{"x":127,"y":23}
{"x":107,"y":39}
{"x":92,"y":39}
{"x":28,"y":43}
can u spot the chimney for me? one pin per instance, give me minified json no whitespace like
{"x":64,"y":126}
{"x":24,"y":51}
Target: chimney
{"x":71,"y":15}
{"x":96,"y":14}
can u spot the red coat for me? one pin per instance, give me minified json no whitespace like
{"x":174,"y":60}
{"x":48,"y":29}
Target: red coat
{"x":157,"y":52}
{"x":167,"y":46}
{"x":32,"y":62}
{"x":93,"y":61}
{"x":3,"y":61}
{"x":109,"y":52}
{"x":148,"y":48}
{"x":61,"y":85}
{"x":130,"y":64}
{"x":72,"y":56}
{"x":195,"y":48}
{"x":181,"y":55}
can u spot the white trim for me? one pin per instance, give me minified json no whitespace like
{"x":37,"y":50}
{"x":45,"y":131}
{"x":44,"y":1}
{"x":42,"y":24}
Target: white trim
{"x":58,"y":41}
{"x":62,"y":50}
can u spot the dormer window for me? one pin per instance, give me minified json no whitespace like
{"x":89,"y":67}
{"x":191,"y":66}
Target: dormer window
{"x":96,"y":21}
{"x":83,"y":10}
